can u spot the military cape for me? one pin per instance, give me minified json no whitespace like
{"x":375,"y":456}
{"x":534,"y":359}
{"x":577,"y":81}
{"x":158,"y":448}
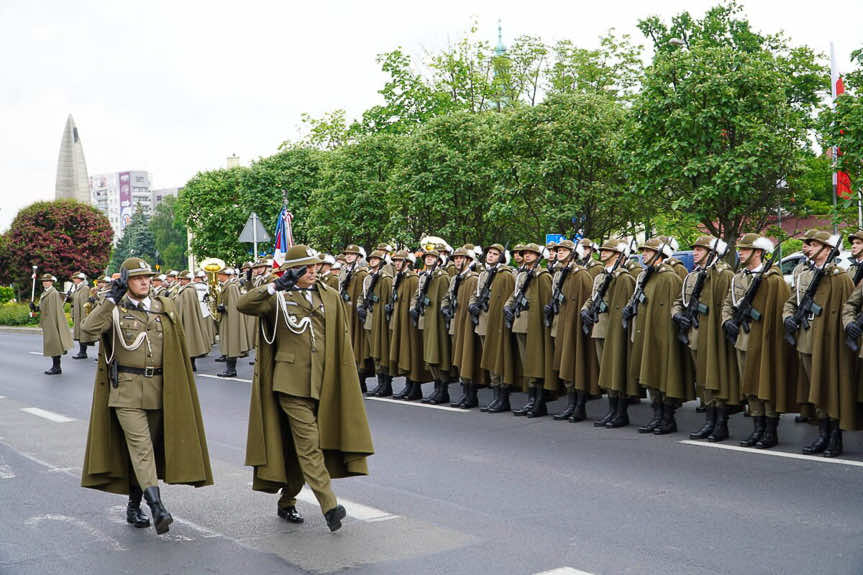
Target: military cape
{"x":406,"y":345}
{"x":56,"y":337}
{"x":574,"y":352}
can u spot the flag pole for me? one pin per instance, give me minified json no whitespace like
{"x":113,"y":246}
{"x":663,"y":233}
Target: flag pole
{"x":833,"y":78}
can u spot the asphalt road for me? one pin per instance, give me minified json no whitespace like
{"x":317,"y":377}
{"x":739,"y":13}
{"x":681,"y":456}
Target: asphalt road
{"x":449,"y":492}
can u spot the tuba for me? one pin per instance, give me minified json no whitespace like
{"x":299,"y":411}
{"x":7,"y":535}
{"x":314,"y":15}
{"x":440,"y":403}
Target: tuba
{"x":212,"y":266}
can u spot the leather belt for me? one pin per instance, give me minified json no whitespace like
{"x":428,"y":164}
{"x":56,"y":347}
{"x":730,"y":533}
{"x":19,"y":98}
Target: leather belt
{"x":145,"y":371}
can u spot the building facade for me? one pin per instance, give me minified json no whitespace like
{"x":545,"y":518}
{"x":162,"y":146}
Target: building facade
{"x":118,"y":195}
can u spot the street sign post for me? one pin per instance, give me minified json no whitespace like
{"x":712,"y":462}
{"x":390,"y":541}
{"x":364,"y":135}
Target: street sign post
{"x":254,"y":232}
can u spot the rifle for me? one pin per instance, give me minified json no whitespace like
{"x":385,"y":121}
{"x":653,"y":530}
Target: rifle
{"x":638,"y":297}
{"x":453,"y":298}
{"x":422,"y":299}
{"x":598,"y":305}
{"x":807,"y":305}
{"x":485,"y":292}
{"x":743,"y":313}
{"x":369,"y":298}
{"x":520,"y":298}
{"x":695,"y":308}
{"x":858,"y":275}
{"x":557,"y":296}
{"x":388,"y":309}
{"x":343,"y":285}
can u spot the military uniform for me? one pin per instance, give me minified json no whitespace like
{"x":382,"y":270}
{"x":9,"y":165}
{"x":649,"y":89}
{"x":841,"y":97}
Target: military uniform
{"x":406,"y":351}
{"x":189,"y":309}
{"x":144,"y":355}
{"x":351,"y":278}
{"x":586,"y":259}
{"x":426,"y":312}
{"x":466,"y":344}
{"x":56,"y":338}
{"x":233,"y":332}
{"x":80,"y":309}
{"x":377,"y":290}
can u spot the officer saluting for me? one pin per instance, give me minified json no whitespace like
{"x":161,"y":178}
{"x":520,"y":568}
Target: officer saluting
{"x":143,"y":358}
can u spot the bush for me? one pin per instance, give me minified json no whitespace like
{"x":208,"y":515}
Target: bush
{"x":6,"y":294}
{"x":16,"y":314}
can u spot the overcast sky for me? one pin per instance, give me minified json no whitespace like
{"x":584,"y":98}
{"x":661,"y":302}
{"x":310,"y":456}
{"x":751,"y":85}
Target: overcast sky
{"x":174,"y":87}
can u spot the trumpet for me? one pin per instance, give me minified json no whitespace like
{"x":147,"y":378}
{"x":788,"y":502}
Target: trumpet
{"x":212,"y":266}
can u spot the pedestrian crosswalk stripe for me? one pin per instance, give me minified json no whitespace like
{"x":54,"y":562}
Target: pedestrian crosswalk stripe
{"x":224,"y":378}
{"x":356,"y":510}
{"x":564,"y":571}
{"x":815,"y":458}
{"x":417,"y":404}
{"x":45,"y":414}
{"x":35,"y":352}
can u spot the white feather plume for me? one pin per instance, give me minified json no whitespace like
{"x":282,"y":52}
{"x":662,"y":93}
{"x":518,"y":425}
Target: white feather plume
{"x":580,"y":251}
{"x":763,"y":244}
{"x":720,"y":247}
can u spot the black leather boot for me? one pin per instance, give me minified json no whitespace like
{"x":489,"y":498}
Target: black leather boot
{"x":362,"y":377}
{"x":609,"y":415}
{"x":580,"y":413}
{"x":621,"y":414}
{"x":407,"y":388}
{"x":770,"y":437}
{"x":823,"y":439}
{"x":230,"y":368}
{"x":539,"y":409}
{"x":374,"y":392}
{"x":414,"y":392}
{"x":656,"y":421}
{"x":194,"y":366}
{"x":460,"y":400}
{"x":495,"y":398}
{"x":334,"y":517}
{"x":834,"y":448}
{"x":720,"y":427}
{"x":531,"y":399}
{"x":82,"y":351}
{"x":758,"y":423}
{"x":55,"y":366}
{"x":503,"y":404}
{"x":709,"y":423}
{"x":570,"y":406}
{"x":669,"y":424}
{"x":290,"y":514}
{"x":444,"y":392}
{"x":387,"y":390}
{"x":161,"y":518}
{"x":471,"y":398}
{"x":134,"y":515}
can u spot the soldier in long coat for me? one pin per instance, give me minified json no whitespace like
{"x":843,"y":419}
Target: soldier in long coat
{"x":426,"y":313}
{"x":406,"y":351}
{"x":586,"y":257}
{"x":466,"y":344}
{"x":233,"y":335}
{"x":766,"y":363}
{"x":80,"y":309}
{"x":56,"y":338}
{"x":191,"y":318}
{"x":715,"y":360}
{"x":377,"y":289}
{"x":351,"y":278}
{"x":523,"y":310}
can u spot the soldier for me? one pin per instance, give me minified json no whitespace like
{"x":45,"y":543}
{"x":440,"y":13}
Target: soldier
{"x":699,"y":319}
{"x":855,"y":270}
{"x":550,"y":256}
{"x":494,"y":285}
{"x":574,"y":357}
{"x":80,"y":309}
{"x":523,"y":310}
{"x":351,"y":278}
{"x":850,"y":414}
{"x":820,"y":340}
{"x":158,"y":285}
{"x":516,"y":256}
{"x":466,"y":345}
{"x":406,"y":351}
{"x":765,"y":362}
{"x":56,"y":339}
{"x":377,"y":289}
{"x":326,"y":272}
{"x":203,"y":290}
{"x":671,"y":261}
{"x":172,"y":284}
{"x":807,"y":410}
{"x":446,"y":254}
{"x":190,"y":312}
{"x":659,"y":363}
{"x":301,"y":376}
{"x":233,"y":335}
{"x":586,"y":260}
{"x":142,"y":360}
{"x":602,"y":315}
{"x":425,"y":313}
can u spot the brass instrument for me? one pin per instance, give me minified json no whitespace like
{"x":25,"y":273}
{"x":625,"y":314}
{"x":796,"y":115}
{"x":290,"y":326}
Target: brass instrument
{"x":212,"y":266}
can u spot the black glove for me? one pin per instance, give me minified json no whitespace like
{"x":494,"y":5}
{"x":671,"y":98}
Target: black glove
{"x":415,"y":314}
{"x":853,"y":330}
{"x":731,"y":330}
{"x":791,"y":325}
{"x":33,"y":307}
{"x":363,"y":313}
{"x":220,"y":308}
{"x":446,"y":312}
{"x":289,"y":278}
{"x":628,"y":312}
{"x":474,"y":309}
{"x":206,"y":297}
{"x":682,"y":320}
{"x":249,"y":275}
{"x":91,"y":299}
{"x":548,"y":309}
{"x":508,"y":314}
{"x":586,"y":318}
{"x":119,"y":287}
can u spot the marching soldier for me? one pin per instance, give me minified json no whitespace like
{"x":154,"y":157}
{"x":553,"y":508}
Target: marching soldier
{"x":305,"y":400}
{"x":56,"y":339}
{"x":377,"y":288}
{"x":425,"y":312}
{"x":143,"y":359}
{"x":494,"y":285}
{"x":351,"y":279}
{"x":587,"y":261}
{"x":466,"y":345}
{"x":698,"y":315}
{"x":765,"y":362}
{"x":191,"y":317}
{"x":80,"y":309}
{"x":574,"y":357}
{"x":233,"y":335}
{"x":602,"y":314}
{"x":523,"y":310}
{"x":406,"y":351}
{"x":820,"y":342}
{"x":659,"y":363}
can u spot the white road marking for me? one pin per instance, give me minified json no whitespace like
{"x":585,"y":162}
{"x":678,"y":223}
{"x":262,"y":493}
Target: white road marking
{"x":6,"y":472}
{"x":417,"y":404}
{"x":355,"y":510}
{"x":225,"y":378}
{"x":49,"y":415}
{"x":564,"y":571}
{"x":35,"y":352}
{"x":816,"y":458}
{"x":2,"y":397}
{"x":96,"y":533}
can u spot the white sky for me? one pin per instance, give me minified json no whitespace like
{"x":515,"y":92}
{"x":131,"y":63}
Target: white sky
{"x":174,"y":87}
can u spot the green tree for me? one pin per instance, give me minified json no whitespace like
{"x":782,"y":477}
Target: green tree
{"x":721,"y":124}
{"x":137,"y":240}
{"x":169,"y":234}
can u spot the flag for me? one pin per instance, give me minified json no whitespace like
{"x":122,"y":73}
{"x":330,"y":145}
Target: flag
{"x":841,"y":181}
{"x":284,"y":236}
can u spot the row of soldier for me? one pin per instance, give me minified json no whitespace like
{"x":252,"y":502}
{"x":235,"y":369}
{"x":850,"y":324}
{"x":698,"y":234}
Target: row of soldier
{"x":593,"y":321}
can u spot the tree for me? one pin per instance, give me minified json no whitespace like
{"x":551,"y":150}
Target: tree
{"x":5,"y":276}
{"x":61,"y":237}
{"x":169,"y":234}
{"x":137,"y":240}
{"x":721,"y":124}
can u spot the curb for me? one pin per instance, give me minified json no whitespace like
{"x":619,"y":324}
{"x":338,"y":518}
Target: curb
{"x":15,"y":329}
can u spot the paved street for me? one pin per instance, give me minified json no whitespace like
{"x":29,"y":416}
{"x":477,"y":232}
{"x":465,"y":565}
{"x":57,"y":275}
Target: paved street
{"x":449,"y":492}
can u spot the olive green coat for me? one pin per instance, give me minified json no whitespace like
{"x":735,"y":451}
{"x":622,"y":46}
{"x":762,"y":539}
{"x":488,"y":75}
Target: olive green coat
{"x":539,"y":354}
{"x":716,"y":360}
{"x":56,"y":337}
{"x":233,"y":337}
{"x":344,"y":435}
{"x":192,"y":320}
{"x":466,"y":346}
{"x":498,"y":351}
{"x":437,"y":344}
{"x":614,"y":373}
{"x":406,"y":344}
{"x":353,"y":290}
{"x":379,"y":335}
{"x":574,"y":352}
{"x":80,"y":309}
{"x":182,"y":455}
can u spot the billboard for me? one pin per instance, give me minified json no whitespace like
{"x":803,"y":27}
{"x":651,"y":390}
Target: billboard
{"x":125,"y":193}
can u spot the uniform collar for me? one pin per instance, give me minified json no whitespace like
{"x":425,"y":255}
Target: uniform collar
{"x":144,"y":303}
